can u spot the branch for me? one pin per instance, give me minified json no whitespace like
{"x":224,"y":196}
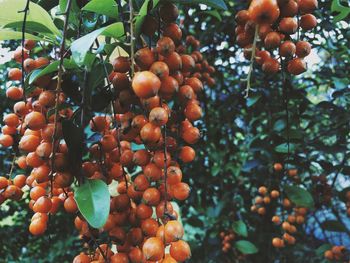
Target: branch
{"x":132,"y":40}
{"x":58,"y":89}
{"x":25,"y":11}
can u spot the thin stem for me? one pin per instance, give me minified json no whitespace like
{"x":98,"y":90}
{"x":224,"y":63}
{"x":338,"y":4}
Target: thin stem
{"x":25,"y":11}
{"x":58,"y":90}
{"x":12,"y":165}
{"x":251,"y":66}
{"x":132,"y":40}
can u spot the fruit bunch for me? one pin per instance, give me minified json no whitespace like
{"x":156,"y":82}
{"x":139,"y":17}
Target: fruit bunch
{"x":227,"y":237}
{"x":269,"y":32}
{"x":144,"y":140}
{"x":337,"y":254}
{"x":264,"y":199}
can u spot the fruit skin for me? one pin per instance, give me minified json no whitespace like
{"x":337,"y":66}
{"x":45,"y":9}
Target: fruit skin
{"x":153,"y":249}
{"x":308,"y":22}
{"x":145,"y":84}
{"x":264,"y":11}
{"x":296,"y":66}
{"x":180,"y":250}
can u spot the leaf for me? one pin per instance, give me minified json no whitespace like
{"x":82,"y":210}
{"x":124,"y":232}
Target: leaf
{"x":81,"y":46}
{"x":246,"y":247}
{"x":283,"y":148}
{"x":341,"y":11}
{"x":53,"y":67}
{"x":279,"y":125}
{"x":321,"y":249}
{"x":299,"y":196}
{"x":142,"y":14}
{"x":74,"y":11}
{"x":240,"y":228}
{"x":93,"y":201}
{"x":38,"y":20}
{"x":252,"y":100}
{"x":74,"y":137}
{"x":218,"y":4}
{"x":6,"y":34}
{"x":333,"y":225}
{"x":102,"y":7}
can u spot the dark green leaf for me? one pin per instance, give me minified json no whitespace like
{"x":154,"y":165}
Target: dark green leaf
{"x":240,"y":228}
{"x":283,"y":148}
{"x":246,"y":247}
{"x":219,"y":4}
{"x":299,"y":196}
{"x":323,"y":248}
{"x":93,"y":201}
{"x":333,"y":225}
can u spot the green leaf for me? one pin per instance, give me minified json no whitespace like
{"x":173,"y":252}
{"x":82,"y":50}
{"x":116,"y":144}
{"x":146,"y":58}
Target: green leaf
{"x":53,"y":67}
{"x":38,"y":20}
{"x":279,"y":125}
{"x":341,"y":11}
{"x":240,"y":228}
{"x":93,"y":201}
{"x":299,"y":196}
{"x":333,"y":225}
{"x":81,"y":46}
{"x":102,"y":7}
{"x":6,"y":34}
{"x":213,"y":13}
{"x":283,"y":148}
{"x":252,"y":100}
{"x":148,"y":4}
{"x":323,"y":248}
{"x":218,"y":4}
{"x":246,"y":247}
{"x":74,"y":11}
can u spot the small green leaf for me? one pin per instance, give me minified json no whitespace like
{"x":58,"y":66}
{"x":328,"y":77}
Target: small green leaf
{"x":252,"y":100}
{"x":218,"y":4}
{"x":81,"y":46}
{"x":246,"y":247}
{"x":283,"y":148}
{"x":53,"y":67}
{"x":342,"y":11}
{"x":6,"y":34}
{"x":93,"y":201}
{"x":299,"y":196}
{"x":333,"y":225}
{"x":102,"y":7}
{"x":240,"y":228}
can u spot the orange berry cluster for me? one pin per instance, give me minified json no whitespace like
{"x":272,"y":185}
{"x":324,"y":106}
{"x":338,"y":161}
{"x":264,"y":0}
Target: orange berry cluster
{"x":155,"y":106}
{"x":269,"y":27}
{"x":227,"y":237}
{"x":337,"y":253}
{"x":264,"y":199}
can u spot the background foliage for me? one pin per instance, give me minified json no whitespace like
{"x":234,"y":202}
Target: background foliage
{"x":241,"y":141}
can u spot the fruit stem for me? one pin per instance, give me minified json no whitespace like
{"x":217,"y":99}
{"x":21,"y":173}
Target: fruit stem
{"x":25,"y":11}
{"x":132,"y":40}
{"x":251,"y":66}
{"x":58,"y":90}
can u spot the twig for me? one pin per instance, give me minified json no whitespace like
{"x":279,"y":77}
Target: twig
{"x":58,"y":90}
{"x":132,"y":41}
{"x":25,"y":11}
{"x":251,"y":66}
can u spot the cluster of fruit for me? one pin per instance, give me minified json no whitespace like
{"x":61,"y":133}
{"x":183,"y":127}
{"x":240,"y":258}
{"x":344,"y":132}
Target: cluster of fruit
{"x":227,"y":237}
{"x":337,"y":253}
{"x":264,"y":199}
{"x":270,"y":29}
{"x":155,"y":106}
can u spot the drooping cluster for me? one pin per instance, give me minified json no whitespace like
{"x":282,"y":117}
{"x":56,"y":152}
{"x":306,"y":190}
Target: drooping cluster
{"x":271,"y":29}
{"x":143,"y":143}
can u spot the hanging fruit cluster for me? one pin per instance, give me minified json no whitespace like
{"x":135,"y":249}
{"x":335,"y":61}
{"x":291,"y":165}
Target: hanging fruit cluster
{"x":337,"y":254}
{"x":155,"y":107}
{"x":270,"y":29}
